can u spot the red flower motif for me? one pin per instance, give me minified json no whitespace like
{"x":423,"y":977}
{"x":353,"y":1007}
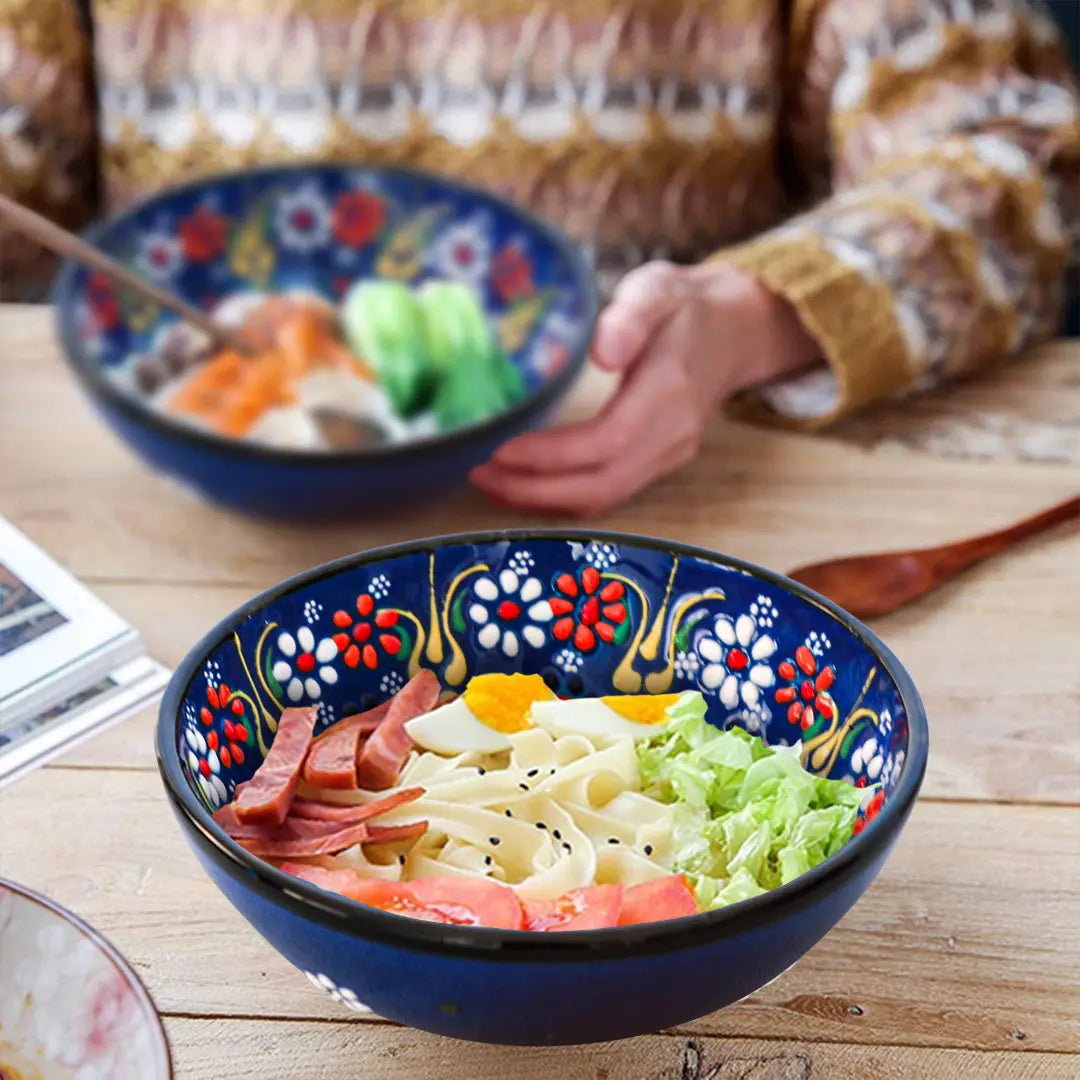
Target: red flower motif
{"x":233,"y":729}
{"x":103,"y":302}
{"x":202,"y":235}
{"x":807,"y":690}
{"x":871,"y":812}
{"x":511,"y":274}
{"x":586,"y":612}
{"x":358,"y":217}
{"x":369,"y":627}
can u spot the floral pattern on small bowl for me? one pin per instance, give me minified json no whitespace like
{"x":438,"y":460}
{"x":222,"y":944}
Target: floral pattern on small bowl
{"x":70,"y":1008}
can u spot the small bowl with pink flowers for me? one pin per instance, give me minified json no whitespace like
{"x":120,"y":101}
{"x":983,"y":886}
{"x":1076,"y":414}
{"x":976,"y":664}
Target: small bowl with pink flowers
{"x":70,"y":1006}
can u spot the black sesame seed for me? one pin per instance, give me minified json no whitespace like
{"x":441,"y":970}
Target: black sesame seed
{"x":507,"y":812}
{"x":556,"y":834}
{"x":487,"y":860}
{"x":567,"y":846}
{"x":612,"y":839}
{"x":541,"y":825}
{"x":553,"y":771}
{"x":481,"y":770}
{"x":532,"y":772}
{"x":648,"y":849}
{"x":495,"y":841}
{"x":524,"y":787}
{"x":401,"y":859}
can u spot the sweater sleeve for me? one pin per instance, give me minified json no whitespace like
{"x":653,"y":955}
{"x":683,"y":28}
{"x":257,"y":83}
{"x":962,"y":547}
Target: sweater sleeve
{"x":942,"y":140}
{"x":47,"y":125}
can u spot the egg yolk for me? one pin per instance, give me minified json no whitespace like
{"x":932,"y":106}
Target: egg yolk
{"x":642,"y":708}
{"x":503,"y":702}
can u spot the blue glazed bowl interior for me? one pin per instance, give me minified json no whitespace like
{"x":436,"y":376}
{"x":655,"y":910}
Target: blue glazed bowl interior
{"x":594,"y":614}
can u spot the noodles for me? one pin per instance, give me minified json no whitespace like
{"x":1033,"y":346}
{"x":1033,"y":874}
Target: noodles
{"x":550,"y":815}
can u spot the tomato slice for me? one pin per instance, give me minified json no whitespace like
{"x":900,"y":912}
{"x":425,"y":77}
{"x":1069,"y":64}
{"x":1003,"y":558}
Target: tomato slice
{"x":469,"y":901}
{"x":591,"y":908}
{"x":665,"y":898}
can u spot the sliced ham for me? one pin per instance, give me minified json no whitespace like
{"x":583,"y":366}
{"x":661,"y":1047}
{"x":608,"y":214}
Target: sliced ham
{"x":352,"y":815}
{"x":292,"y":828}
{"x":389,"y":745}
{"x":339,"y":881}
{"x":331,"y":761}
{"x":266,"y":798}
{"x":279,"y":846}
{"x":392,"y":834}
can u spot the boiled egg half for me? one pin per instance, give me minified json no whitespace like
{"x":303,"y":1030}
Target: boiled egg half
{"x":491,"y":708}
{"x":639,"y":715}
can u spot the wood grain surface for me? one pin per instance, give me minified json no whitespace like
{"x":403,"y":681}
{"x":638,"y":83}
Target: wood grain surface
{"x":960,"y":961}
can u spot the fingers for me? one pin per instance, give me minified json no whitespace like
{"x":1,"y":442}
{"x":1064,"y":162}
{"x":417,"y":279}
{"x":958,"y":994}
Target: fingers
{"x":625,"y":421}
{"x":642,"y":302}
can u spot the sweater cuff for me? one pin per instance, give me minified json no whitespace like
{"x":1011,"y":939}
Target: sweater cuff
{"x":851,"y":317}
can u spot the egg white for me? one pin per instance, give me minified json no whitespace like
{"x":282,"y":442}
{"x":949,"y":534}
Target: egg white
{"x":455,"y":729}
{"x":590,"y":716}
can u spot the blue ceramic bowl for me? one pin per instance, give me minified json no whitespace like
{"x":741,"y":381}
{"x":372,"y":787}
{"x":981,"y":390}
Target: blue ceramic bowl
{"x":322,"y":228}
{"x":672,"y":618}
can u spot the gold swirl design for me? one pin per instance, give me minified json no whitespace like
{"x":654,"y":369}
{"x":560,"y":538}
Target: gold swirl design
{"x":458,"y":668}
{"x":434,"y":645}
{"x":658,"y":682}
{"x":625,"y":678}
{"x":651,"y":644}
{"x":262,"y":714}
{"x":820,"y":752}
{"x":421,"y":637}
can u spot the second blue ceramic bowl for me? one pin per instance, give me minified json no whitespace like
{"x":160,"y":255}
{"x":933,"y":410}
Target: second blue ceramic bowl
{"x":321,"y":228}
{"x":669,"y":618}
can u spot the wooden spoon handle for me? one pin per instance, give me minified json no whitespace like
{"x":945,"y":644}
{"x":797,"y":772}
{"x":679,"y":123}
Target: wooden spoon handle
{"x":949,"y":559}
{"x":70,"y":246}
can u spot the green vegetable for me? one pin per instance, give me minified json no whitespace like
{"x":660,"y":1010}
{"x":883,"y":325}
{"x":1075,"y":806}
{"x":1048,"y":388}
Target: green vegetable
{"x":750,"y":817}
{"x":383,"y":324}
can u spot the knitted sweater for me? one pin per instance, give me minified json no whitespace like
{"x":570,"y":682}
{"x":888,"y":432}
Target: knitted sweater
{"x":929,"y":149}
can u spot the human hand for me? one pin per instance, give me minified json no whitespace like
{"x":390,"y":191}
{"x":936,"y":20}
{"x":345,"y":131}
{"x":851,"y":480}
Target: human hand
{"x":684,"y":339}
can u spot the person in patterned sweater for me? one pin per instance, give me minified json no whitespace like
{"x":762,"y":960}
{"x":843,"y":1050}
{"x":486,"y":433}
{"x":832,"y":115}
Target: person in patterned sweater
{"x":798,"y":207}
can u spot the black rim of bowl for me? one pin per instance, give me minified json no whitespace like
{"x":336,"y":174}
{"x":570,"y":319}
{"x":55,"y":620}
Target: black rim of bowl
{"x":102,"y":943}
{"x":338,"y":912}
{"x":132,"y":407}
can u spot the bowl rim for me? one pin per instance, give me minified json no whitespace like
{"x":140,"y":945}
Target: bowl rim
{"x":93,"y":379}
{"x":343,"y":914}
{"x":161,"y":1042}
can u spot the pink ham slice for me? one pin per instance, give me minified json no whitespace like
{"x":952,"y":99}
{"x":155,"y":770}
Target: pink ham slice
{"x":331,"y":761}
{"x":388,"y":746}
{"x":346,"y":882}
{"x":392,"y":834}
{"x":266,"y":798}
{"x":279,"y":846}
{"x":314,"y":810}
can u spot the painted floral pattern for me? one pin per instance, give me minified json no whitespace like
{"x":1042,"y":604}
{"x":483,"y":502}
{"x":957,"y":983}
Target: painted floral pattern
{"x":589,"y":616}
{"x":341,"y":994}
{"x":304,"y":664}
{"x":303,"y":220}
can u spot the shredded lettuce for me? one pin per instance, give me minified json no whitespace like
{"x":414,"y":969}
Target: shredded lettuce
{"x":749,"y":817}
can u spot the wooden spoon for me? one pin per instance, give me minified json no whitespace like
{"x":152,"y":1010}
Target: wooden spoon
{"x":869,"y":585}
{"x":71,"y":246}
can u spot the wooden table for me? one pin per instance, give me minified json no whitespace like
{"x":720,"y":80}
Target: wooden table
{"x":963,"y":959}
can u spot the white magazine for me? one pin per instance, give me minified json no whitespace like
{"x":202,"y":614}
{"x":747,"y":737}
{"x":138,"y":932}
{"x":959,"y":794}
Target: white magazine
{"x":68,"y":663}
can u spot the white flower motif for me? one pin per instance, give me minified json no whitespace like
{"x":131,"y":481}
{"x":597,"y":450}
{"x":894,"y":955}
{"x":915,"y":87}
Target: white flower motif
{"x":341,"y":994}
{"x":890,"y":773}
{"x":463,"y":252}
{"x":303,"y":219}
{"x":379,"y":587}
{"x":687,"y":665}
{"x":521,"y":562}
{"x":734,"y":656}
{"x":764,"y":610}
{"x":326,"y":715}
{"x":300,"y":657}
{"x":817,"y":642}
{"x":868,"y":757}
{"x":312,"y":610}
{"x":391,"y":682}
{"x":197,"y":751}
{"x":602,"y":556}
{"x":160,"y":257}
{"x":212,"y":674}
{"x":569,"y":660}
{"x":507,"y":609}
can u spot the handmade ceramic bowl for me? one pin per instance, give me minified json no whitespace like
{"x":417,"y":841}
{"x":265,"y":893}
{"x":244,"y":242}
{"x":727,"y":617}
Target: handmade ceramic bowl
{"x":321,"y":228}
{"x":70,"y":1007}
{"x":670,"y":618}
